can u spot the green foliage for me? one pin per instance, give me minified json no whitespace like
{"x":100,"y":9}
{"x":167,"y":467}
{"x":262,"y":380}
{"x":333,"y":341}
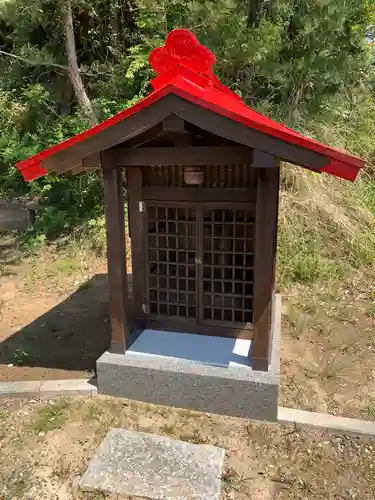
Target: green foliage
{"x":369,"y":411}
{"x":299,"y":253}
{"x":20,"y":356}
{"x":96,"y":233}
{"x":325,"y":229}
{"x":369,"y":194}
{"x":298,"y":54}
{"x":304,"y":63}
{"x":32,"y":241}
{"x":67,"y":266}
{"x":371,"y":311}
{"x":52,"y":416}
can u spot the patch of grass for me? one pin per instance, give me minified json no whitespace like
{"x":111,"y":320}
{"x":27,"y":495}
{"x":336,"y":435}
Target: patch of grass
{"x":321,"y":323}
{"x":20,"y":356}
{"x":194,"y":437}
{"x":18,"y":486}
{"x":67,"y":266}
{"x":297,"y":321}
{"x":308,"y":305}
{"x":31,"y":243}
{"x":371,"y":311}
{"x":3,"y":415}
{"x":331,"y":370}
{"x":168,"y":429}
{"x":94,"y":496}
{"x":323,"y":327}
{"x":92,"y":412}
{"x":150,"y":408}
{"x":62,"y":468}
{"x":343,"y":313}
{"x":52,"y":326}
{"x":28,"y":285}
{"x":325,"y":229}
{"x":86,"y":285}
{"x":52,"y":416}
{"x":3,"y":428}
{"x":17,"y":483}
{"x":369,"y":411}
{"x":306,"y":268}
{"x":229,"y":478}
{"x":299,"y":470}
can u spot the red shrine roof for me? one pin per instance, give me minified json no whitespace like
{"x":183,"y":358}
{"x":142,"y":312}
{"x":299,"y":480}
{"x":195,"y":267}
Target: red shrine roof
{"x":185,"y":69}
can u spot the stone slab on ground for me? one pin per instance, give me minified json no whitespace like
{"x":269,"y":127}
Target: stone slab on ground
{"x":342,"y":425}
{"x":155,"y":467}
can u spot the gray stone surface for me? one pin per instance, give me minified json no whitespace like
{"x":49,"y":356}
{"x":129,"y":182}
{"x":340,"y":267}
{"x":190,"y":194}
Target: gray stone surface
{"x":203,"y":349}
{"x":342,"y":425}
{"x":52,"y":388}
{"x":20,"y":389}
{"x":236,"y":391}
{"x":13,"y":215}
{"x":154,"y":467}
{"x":48,"y":389}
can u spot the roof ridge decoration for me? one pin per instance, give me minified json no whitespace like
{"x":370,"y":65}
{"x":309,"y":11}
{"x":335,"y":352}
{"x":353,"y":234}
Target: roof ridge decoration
{"x":183,"y":50}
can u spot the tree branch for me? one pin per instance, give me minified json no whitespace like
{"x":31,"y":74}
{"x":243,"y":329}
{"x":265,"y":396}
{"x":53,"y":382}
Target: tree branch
{"x":31,"y":62}
{"x":34,"y":63}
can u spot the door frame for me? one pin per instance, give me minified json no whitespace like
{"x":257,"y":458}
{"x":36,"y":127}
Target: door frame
{"x":189,"y":325}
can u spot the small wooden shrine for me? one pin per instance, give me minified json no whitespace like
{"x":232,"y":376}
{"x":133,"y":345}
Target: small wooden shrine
{"x":202,"y":176}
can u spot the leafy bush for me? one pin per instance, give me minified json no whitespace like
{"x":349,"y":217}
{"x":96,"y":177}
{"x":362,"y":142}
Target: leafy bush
{"x":304,"y":63}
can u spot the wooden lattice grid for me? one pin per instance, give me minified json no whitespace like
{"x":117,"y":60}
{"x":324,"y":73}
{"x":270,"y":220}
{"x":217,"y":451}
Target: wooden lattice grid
{"x":172,"y":266}
{"x":228,"y":262}
{"x":207,"y":277}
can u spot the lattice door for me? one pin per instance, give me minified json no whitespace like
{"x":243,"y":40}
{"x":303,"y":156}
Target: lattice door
{"x":200,"y":264}
{"x":227,"y":266}
{"x":172,"y":244}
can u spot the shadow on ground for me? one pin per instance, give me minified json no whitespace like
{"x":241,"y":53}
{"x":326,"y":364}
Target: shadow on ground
{"x":71,"y":336}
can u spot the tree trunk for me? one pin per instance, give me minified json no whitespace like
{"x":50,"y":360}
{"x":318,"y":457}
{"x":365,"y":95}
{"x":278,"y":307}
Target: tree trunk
{"x":253,"y":15}
{"x":74,"y":73}
{"x":257,"y":8}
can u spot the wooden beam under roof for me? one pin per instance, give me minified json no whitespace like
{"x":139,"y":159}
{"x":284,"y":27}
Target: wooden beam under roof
{"x":189,"y":155}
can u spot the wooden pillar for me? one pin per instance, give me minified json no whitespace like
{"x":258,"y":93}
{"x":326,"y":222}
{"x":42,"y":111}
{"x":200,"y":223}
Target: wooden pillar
{"x":116,"y":252}
{"x":136,"y":222}
{"x":267,"y":201}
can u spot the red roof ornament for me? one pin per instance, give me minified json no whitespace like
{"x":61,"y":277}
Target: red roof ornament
{"x":182,"y":49}
{"x":185,"y":69}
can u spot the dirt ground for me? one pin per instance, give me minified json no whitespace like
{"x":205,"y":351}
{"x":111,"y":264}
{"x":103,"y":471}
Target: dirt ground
{"x":54,"y":324}
{"x":45,"y":448}
{"x":328,"y":349}
{"x":54,"y":319}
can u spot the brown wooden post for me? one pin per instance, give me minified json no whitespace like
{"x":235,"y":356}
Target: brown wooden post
{"x":267,"y":176}
{"x":116,"y":252}
{"x":136,"y":209}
